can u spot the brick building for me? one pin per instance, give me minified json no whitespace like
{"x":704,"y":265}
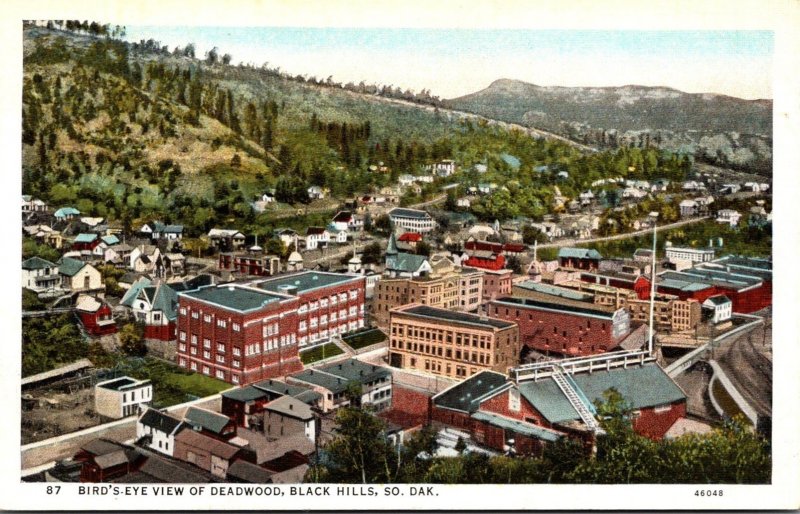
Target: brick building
{"x":246,"y":333}
{"x":564,"y":330}
{"x":580,"y":258}
{"x":635,"y":282}
{"x":496,"y":283}
{"x":671,"y":313}
{"x":246,"y":405}
{"x":250,"y":263}
{"x":333,"y":380}
{"x":451,"y":344}
{"x":494,"y":409}
{"x":446,"y":286}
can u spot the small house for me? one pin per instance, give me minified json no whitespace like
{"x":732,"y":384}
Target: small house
{"x":122,"y":397}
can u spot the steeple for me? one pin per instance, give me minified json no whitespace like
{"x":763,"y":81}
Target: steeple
{"x":391,"y":248}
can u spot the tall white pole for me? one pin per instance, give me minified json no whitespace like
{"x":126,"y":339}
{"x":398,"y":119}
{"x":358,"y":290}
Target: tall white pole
{"x":652,"y":291}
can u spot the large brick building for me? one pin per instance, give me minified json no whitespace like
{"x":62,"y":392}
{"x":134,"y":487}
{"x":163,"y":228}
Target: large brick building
{"x":446,"y":286}
{"x":560,"y":329}
{"x":493,"y":409}
{"x":245,"y":333}
{"x":451,"y":344}
{"x":497,"y":283}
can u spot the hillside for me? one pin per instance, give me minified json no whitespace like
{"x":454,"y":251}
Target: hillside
{"x":127,"y":131}
{"x":719,"y":129}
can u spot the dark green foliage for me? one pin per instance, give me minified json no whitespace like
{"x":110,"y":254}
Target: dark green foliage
{"x":32,"y":248}
{"x":49,"y":342}
{"x":31,"y":301}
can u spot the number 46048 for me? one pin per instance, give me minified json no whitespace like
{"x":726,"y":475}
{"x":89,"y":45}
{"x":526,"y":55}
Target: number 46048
{"x":708,"y":492}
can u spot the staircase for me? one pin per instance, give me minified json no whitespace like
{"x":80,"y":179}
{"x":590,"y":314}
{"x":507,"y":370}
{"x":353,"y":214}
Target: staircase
{"x":574,"y":399}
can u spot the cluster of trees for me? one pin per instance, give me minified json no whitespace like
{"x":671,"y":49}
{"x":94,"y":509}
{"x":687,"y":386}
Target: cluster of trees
{"x":732,"y":453}
{"x":49,"y":342}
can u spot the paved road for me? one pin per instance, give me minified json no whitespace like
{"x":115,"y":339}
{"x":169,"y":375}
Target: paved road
{"x":627,"y":235}
{"x":432,"y":201}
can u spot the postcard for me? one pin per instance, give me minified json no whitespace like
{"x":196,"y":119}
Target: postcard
{"x":314,"y":256}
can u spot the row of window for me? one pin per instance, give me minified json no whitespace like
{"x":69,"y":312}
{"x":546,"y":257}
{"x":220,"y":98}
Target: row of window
{"x":220,"y":374}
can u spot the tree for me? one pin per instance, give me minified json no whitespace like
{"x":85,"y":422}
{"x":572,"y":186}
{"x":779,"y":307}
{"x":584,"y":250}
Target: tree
{"x":131,"y":340}
{"x":423,"y":248}
{"x":359,"y":453}
{"x":275,"y":246}
{"x":383,"y":223}
{"x":531,"y":234}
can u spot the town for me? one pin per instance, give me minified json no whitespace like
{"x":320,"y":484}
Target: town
{"x":489,"y":305}
{"x":439,"y":332}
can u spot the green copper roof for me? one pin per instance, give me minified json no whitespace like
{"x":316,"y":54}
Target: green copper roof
{"x":516,"y":426}
{"x":206,"y":419}
{"x":641,"y":386}
{"x":37,"y":263}
{"x":407,"y":262}
{"x":233,"y":298}
{"x":69,"y":266}
{"x":85,"y":238}
{"x":304,"y":281}
{"x":579,"y":253}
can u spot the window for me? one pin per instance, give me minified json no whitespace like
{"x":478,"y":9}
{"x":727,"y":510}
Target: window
{"x":183,"y":363}
{"x":194,"y":366}
{"x":220,"y":348}
{"x":221,"y":359}
{"x":206,"y":370}
{"x":194,"y":350}
{"x":195,"y":315}
{"x":183,"y":311}
{"x":206,"y":354}
{"x":235,"y":379}
{"x":236,"y":327}
{"x":183,"y":335}
{"x":237,"y":352}
{"x":182,"y":347}
{"x":513,"y":400}
{"x":222,"y":323}
{"x":207,"y":318}
{"x":220,"y":374}
{"x":662,"y":408}
{"x":237,"y":364}
{"x":194,"y":339}
{"x":206,"y":343}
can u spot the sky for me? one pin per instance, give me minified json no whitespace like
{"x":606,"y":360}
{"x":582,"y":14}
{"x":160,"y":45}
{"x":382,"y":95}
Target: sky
{"x":455,"y":62}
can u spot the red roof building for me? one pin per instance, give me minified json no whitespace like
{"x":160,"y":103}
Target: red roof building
{"x":95,"y":316}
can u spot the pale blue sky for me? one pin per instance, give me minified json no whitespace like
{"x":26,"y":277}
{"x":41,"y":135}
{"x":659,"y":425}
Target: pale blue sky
{"x":453,"y":62}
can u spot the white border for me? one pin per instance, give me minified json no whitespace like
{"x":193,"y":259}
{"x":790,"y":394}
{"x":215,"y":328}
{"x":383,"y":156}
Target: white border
{"x":781,"y":16}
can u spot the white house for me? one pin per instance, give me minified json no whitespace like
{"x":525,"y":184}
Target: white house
{"x":406,"y":179}
{"x":287,"y":236}
{"x":160,"y":428}
{"x":633,"y":192}
{"x":676,"y":253}
{"x":729,"y":216}
{"x":425,"y":179}
{"x":317,"y":192}
{"x":316,"y":237}
{"x":122,"y":397}
{"x":346,"y":220}
{"x":78,"y":276}
{"x":30,"y":204}
{"x":688,"y":207}
{"x":721,"y":306}
{"x":145,"y":259}
{"x":336,"y":235}
{"x":40,"y":275}
{"x":463,"y":202}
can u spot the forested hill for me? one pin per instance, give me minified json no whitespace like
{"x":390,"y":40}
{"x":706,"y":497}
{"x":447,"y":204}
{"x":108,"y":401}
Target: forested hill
{"x":719,"y":129}
{"x":136,"y":132}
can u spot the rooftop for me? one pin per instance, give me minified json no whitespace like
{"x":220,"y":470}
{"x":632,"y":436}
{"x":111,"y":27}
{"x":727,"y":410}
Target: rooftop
{"x":335,"y":377}
{"x":233,"y":297}
{"x":211,"y":421}
{"x":305,"y":281}
{"x":465,"y":396}
{"x":409,"y":213}
{"x":517,"y":426}
{"x":537,"y":304}
{"x":641,"y":386}
{"x":37,"y":263}
{"x":69,"y":266}
{"x":562,"y":292}
{"x":292,"y":407}
{"x":159,"y":420}
{"x":122,"y":384}
{"x":579,"y":253}
{"x":425,"y":311}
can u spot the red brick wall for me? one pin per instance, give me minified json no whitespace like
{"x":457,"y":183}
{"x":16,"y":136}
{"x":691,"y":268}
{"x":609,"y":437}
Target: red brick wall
{"x":563,"y":333}
{"x":655,"y":424}
{"x":496,"y":285}
{"x":409,"y":406}
{"x":499,"y":405}
{"x":496,"y":263}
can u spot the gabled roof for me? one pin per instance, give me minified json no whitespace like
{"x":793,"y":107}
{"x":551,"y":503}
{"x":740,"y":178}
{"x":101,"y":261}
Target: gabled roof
{"x":86,"y":238}
{"x":215,"y":447}
{"x":579,"y":253}
{"x":69,"y":266}
{"x":249,"y":473}
{"x":133,"y":292}
{"x":410,"y":237}
{"x":466,"y":396}
{"x":110,"y":240}
{"x":405,"y":262}
{"x":244,"y":394}
{"x":719,"y":299}
{"x":517,"y":426}
{"x":87,"y":303}
{"x":220,"y":232}
{"x":391,"y":246}
{"x":208,"y":420}
{"x":159,"y":421}
{"x":37,"y":263}
{"x":315,"y":231}
{"x":343,"y":216}
{"x":292,"y":407}
{"x":67,"y":211}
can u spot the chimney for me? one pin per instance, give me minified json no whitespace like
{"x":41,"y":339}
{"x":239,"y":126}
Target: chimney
{"x":291,"y":406}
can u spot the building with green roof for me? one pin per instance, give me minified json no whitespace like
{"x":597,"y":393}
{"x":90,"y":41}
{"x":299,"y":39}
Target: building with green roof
{"x":334,"y":380}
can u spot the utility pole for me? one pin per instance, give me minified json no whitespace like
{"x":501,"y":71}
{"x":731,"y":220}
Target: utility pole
{"x":652,"y":292}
